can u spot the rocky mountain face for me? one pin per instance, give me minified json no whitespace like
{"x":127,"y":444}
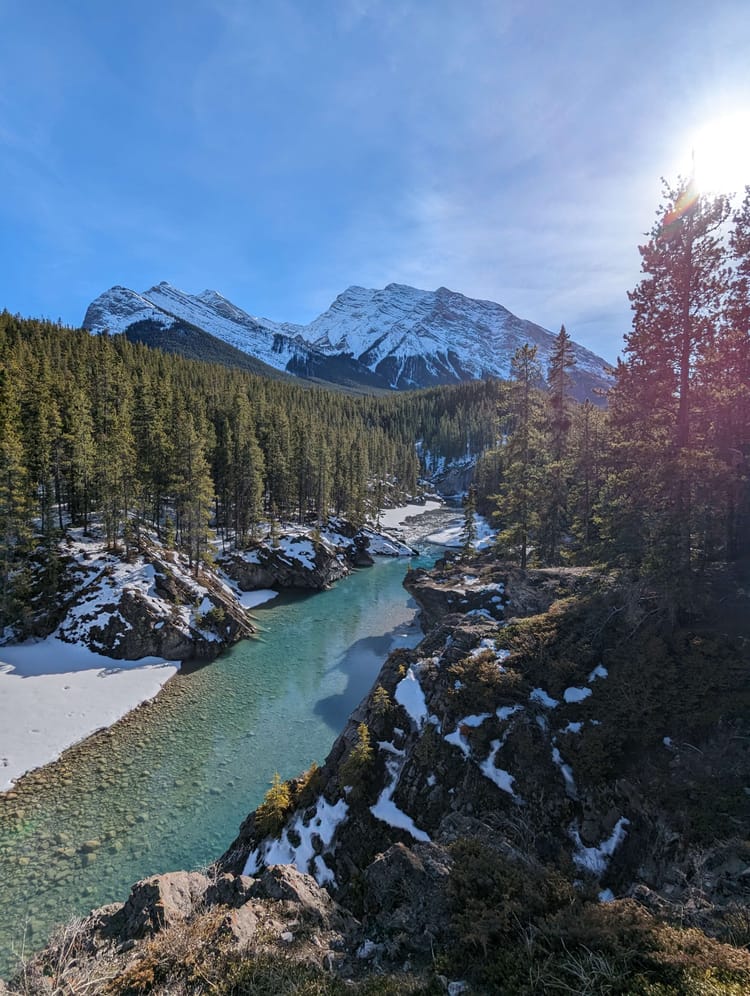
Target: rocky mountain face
{"x":396,"y":337}
{"x":550,"y":793}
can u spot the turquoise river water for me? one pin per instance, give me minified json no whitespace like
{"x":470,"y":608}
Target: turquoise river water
{"x":168,"y":787}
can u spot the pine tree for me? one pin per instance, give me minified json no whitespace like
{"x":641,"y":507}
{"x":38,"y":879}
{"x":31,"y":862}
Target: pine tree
{"x":587,"y":447}
{"x":270,"y":815}
{"x":559,"y":421}
{"x":517,"y":509}
{"x":354,"y":768}
{"x":676,"y":310}
{"x":381,"y":701}
{"x":663,"y":465}
{"x":194,"y":495}
{"x":81,"y":456}
{"x":730,"y":387}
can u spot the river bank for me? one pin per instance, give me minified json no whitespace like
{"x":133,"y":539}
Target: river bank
{"x":54,"y":694}
{"x":168,"y":785}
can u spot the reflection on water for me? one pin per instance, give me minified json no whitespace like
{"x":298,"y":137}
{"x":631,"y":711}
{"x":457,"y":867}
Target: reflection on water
{"x":168,"y":787}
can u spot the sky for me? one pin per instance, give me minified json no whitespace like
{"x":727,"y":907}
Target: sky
{"x":279,"y":151}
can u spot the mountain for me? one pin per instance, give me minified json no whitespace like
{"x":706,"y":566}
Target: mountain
{"x":398,"y":337}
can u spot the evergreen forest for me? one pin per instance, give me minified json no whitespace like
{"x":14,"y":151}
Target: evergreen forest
{"x":141,"y":438}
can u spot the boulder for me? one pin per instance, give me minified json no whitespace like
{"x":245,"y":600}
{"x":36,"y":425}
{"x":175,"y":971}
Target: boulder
{"x":160,"y":901}
{"x":230,"y":890}
{"x":287,"y":883}
{"x":449,"y":593}
{"x":133,"y":620}
{"x":405,"y":895}
{"x":241,"y":925}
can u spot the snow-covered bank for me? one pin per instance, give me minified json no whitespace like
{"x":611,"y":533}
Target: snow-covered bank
{"x":58,"y":691}
{"x":249,"y":599}
{"x":453,"y":535}
{"x":55,"y":694}
{"x":394,"y":518}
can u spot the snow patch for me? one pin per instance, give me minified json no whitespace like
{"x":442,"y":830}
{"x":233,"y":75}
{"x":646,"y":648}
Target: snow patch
{"x":457,"y":739}
{"x":55,"y":694}
{"x":576,"y":694}
{"x":567,"y":773}
{"x":572,"y":728}
{"x":541,"y":697}
{"x":409,"y":694}
{"x":385,"y":808}
{"x":501,"y":778}
{"x":324,"y":823}
{"x":596,"y":859}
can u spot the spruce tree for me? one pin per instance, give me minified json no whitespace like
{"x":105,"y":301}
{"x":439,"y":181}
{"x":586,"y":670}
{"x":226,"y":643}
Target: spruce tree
{"x":15,"y":503}
{"x":559,"y":421}
{"x":661,"y":451}
{"x":517,"y":501}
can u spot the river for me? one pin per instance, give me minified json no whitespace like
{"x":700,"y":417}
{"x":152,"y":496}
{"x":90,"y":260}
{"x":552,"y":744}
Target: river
{"x":168,"y":786}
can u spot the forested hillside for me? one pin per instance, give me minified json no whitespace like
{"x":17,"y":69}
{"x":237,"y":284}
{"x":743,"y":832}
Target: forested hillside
{"x":93,"y":424}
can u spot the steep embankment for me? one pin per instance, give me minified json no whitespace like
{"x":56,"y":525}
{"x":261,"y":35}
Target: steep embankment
{"x":548,"y":794}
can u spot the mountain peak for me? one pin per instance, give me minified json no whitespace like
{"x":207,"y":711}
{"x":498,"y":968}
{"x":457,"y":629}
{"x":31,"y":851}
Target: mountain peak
{"x":397,"y":336}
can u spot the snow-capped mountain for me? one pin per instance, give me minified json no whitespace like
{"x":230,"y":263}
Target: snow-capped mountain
{"x":119,"y":308}
{"x":398,"y":337}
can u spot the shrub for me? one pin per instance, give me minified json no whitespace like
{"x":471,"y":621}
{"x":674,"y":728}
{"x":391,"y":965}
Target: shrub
{"x":270,"y":815}
{"x":381,"y":701}
{"x":358,"y":762}
{"x":215,"y":618}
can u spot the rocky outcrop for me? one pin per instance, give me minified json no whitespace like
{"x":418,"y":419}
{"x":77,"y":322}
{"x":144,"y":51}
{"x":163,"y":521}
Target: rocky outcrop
{"x":309,"y":561}
{"x":487,"y":587}
{"x":283,"y":914}
{"x":455,"y":478}
{"x":294,"y":562}
{"x":150,"y":604}
{"x":513,"y":724}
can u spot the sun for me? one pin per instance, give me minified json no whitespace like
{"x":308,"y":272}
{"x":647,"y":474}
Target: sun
{"x":721,"y":153}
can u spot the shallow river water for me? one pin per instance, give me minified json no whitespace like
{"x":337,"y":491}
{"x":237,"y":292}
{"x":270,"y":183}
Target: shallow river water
{"x":168,"y":787}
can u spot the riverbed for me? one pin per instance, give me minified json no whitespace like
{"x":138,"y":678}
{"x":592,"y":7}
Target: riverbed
{"x":167,"y":787}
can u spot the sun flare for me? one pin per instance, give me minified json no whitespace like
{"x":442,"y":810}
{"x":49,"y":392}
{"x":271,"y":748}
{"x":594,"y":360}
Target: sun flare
{"x":721,"y":153}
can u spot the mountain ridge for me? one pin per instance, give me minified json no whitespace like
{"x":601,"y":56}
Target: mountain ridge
{"x":397,"y":337}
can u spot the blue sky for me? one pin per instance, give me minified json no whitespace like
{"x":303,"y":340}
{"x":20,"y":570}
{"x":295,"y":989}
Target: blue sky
{"x":281,"y":150}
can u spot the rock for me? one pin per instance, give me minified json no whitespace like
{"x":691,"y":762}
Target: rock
{"x":285,"y":882}
{"x":405,"y":893}
{"x":298,"y":562}
{"x":129,"y":622}
{"x":230,"y":890}
{"x":449,"y":594}
{"x":161,"y":901}
{"x":361,"y":558}
{"x":241,"y":925}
